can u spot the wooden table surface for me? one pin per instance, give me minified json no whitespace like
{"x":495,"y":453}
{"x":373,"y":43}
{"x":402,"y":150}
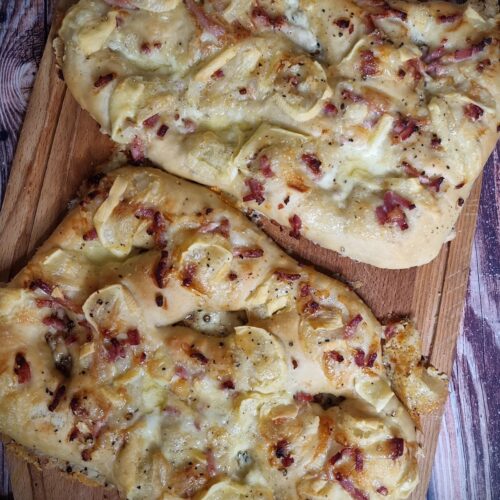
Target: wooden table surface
{"x":468,"y":452}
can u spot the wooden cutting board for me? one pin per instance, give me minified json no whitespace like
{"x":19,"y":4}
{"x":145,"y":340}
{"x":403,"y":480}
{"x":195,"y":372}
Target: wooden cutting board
{"x":60,"y":145}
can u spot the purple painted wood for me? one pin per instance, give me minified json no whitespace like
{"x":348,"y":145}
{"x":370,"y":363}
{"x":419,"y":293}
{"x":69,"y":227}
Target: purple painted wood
{"x":468,"y":453}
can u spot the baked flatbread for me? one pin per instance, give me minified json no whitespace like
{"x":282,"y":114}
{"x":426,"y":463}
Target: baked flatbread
{"x":360,"y":125}
{"x":160,"y":342}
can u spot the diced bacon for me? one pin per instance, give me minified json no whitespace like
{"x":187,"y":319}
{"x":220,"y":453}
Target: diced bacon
{"x":432,"y":183}
{"x":151,"y":121}
{"x":449,"y":18}
{"x":434,"y":55}
{"x":370,"y":359}
{"x":90,"y":235}
{"x":232,"y":276}
{"x":211,"y":463}
{"x":22,"y":368}
{"x":295,"y":363}
{"x":266,"y":20}
{"x":468,"y":52}
{"x":221,"y":227}
{"x":55,"y":322}
{"x":159,"y":300}
{"x":171,"y":411}
{"x":162,"y":130}
{"x":189,"y":125}
{"x":45,"y":303}
{"x":136,"y":148}
{"x":265,"y":166}
{"x":334,"y":356}
{"x":247,"y":253}
{"x":217,"y":75}
{"x":415,"y":67}
{"x":41,"y":285}
{"x":358,"y":460}
{"x":342,"y":23}
{"x":205,"y":22}
{"x":390,"y":330}
{"x":181,"y":372}
{"x":388,"y":11}
{"x":391,"y":213}
{"x":115,"y":349}
{"x":145,"y":48}
{"x":305,"y":290}
{"x":158,"y":228}
{"x":403,"y":128}
{"x":483,"y":64}
{"x":162,"y":270}
{"x":435,"y":184}
{"x":352,"y":326}
{"x":103,"y":80}
{"x":303,"y":397}
{"x":329,"y":109}
{"x":313,"y":163}
{"x":369,"y":66}
{"x":296,"y":225}
{"x":133,"y":337}
{"x":284,"y":276}
{"x":198,"y":355}
{"x":349,"y":95}
{"x":348,"y":486}
{"x":58,"y":395}
{"x":435,"y":142}
{"x":145,"y":212}
{"x":188,"y":274}
{"x":227,"y":384}
{"x":311,"y":307}
{"x":256,"y":191}
{"x":396,"y":447}
{"x":473,"y":112}
{"x":354,"y":453}
{"x":281,"y":452}
{"x":382,"y":490}
{"x":359,"y":358}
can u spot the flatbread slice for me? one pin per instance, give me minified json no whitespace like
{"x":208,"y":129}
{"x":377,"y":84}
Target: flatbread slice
{"x":158,"y":341}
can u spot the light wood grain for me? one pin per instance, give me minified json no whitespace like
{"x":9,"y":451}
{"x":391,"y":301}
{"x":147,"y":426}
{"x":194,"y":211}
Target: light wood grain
{"x":59,"y":146}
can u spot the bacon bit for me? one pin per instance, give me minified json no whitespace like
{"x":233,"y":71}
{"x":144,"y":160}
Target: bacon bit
{"x":151,"y":121}
{"x":157,"y":45}
{"x":382,"y":490}
{"x":206,"y":23}
{"x":281,"y":452}
{"x":40,"y":303}
{"x":232,"y":276}
{"x":198,"y":355}
{"x":41,"y":285}
{"x":370,"y":360}
{"x":211,"y":464}
{"x":473,"y":112}
{"x":189,"y":125}
{"x":434,"y":55}
{"x":217,"y":75}
{"x":144,"y":213}
{"x":347,"y":484}
{"x":311,"y":307}
{"x":243,"y":91}
{"x":390,"y":212}
{"x":352,"y":326}
{"x":161,"y":270}
{"x":330,"y":109}
{"x":158,"y":228}
{"x":103,"y":80}
{"x":264,"y":19}
{"x":136,"y":149}
{"x":342,"y":23}
{"x":58,"y":395}
{"x":460,"y":202}
{"x":460,"y":185}
{"x":389,"y":11}
{"x":349,"y":95}
{"x":247,"y":253}
{"x":284,"y":276}
{"x":415,"y":67}
{"x":22,"y":368}
{"x":435,"y":142}
{"x":145,"y":48}
{"x":73,"y":434}
{"x":90,"y":235}
{"x":390,"y":330}
{"x":305,"y":290}
{"x":227,"y":384}
{"x":87,"y":455}
{"x":115,"y":349}
{"x":133,"y":337}
{"x":295,"y":363}
{"x":265,"y":166}
{"x":159,"y":300}
{"x":403,"y":128}
{"x":483,"y":64}
{"x":55,"y":322}
{"x":312,"y":162}
{"x":334,"y":356}
{"x":296,"y":225}
{"x":359,"y":358}
{"x":303,"y":397}
{"x":256,"y":191}
{"x":369,"y":66}
{"x":397,"y":446}
{"x":188,"y":274}
{"x":171,"y":411}
{"x":461,"y":54}
{"x":221,"y":227}
{"x":435,"y":184}
{"x":181,"y":372}
{"x":401,"y":73}
{"x":358,"y":460}
{"x":450,"y":18}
